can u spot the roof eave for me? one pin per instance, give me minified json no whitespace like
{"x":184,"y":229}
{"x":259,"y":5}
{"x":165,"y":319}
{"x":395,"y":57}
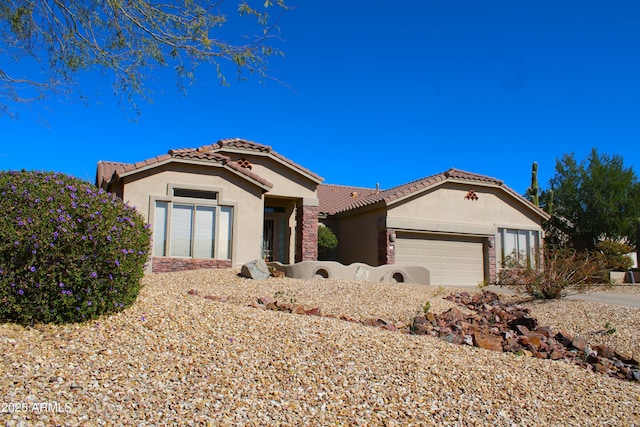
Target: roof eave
{"x":275,"y":156}
{"x":266,"y":186}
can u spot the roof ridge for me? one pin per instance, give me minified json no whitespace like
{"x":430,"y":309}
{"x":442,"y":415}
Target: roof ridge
{"x":349,"y":186}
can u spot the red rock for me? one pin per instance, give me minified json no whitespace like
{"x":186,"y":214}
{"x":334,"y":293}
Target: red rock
{"x":540,"y":354}
{"x":598,"y":367}
{"x":564,"y":338}
{"x":192,"y":292}
{"x":592,"y":358}
{"x":534,"y":342}
{"x":556,"y":354}
{"x":265,"y":300}
{"x":283,"y":306}
{"x":487,"y":341}
{"x":431,"y":317}
{"x":524,"y":320}
{"x":452,"y":315}
{"x":420,"y":320}
{"x":604,"y":351}
{"x":313,"y":312}
{"x":271,"y":306}
{"x":523,"y":340}
{"x":578,"y":343}
{"x":298,"y":309}
{"x":544,"y":330}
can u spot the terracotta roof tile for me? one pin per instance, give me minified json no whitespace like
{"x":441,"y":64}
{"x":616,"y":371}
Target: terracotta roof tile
{"x":333,"y":204}
{"x":334,"y":197}
{"x":244,"y":144}
{"x":107,"y":170}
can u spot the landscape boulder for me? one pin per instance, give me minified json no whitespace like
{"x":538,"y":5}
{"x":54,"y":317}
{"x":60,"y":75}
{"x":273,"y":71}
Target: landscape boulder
{"x":256,"y":270}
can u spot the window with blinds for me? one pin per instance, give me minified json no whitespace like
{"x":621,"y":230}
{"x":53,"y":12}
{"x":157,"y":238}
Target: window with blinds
{"x":195,"y":230}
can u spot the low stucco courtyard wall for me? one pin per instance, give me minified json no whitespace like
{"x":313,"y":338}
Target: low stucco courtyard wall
{"x":357,"y":271}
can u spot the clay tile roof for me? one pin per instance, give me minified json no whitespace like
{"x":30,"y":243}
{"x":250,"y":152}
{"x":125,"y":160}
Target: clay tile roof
{"x":243,"y":144}
{"x":343,"y":204}
{"x":334,"y":197}
{"x":107,"y":170}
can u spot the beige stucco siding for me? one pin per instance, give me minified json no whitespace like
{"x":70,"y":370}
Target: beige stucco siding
{"x":446,"y":207}
{"x":358,"y":237}
{"x":286,"y":181}
{"x":233,"y":190}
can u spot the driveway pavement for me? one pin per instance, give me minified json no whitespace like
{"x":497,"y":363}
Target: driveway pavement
{"x":610,"y":297}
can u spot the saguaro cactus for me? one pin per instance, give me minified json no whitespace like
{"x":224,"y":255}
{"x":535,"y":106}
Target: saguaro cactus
{"x":534,"y":189}
{"x":549,"y":207}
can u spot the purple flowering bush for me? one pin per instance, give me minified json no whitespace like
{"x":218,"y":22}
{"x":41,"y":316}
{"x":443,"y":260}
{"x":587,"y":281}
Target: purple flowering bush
{"x":69,"y":252}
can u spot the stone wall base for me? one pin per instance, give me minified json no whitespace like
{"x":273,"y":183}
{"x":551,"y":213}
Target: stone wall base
{"x":165,"y":264}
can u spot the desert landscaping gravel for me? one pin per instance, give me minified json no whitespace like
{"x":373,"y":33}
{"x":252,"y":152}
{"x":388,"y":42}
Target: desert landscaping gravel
{"x":181,"y":359}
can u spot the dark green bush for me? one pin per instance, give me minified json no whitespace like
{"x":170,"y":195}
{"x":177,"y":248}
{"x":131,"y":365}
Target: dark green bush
{"x":615,"y":257}
{"x":558,"y":273}
{"x":68,"y":251}
{"x":326,"y":239}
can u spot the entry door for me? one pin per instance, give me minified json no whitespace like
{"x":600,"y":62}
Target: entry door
{"x":275,"y":243}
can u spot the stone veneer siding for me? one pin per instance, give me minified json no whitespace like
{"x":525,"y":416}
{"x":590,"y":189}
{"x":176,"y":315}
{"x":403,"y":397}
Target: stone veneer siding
{"x":492,"y":260}
{"x":386,"y":248}
{"x":167,"y":264}
{"x":307,"y":233}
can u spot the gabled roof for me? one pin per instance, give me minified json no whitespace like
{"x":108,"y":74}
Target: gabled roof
{"x":337,"y":199}
{"x":108,"y":171}
{"x":238,"y":145}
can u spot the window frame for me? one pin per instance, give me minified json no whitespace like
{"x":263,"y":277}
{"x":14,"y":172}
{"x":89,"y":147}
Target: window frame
{"x":218,"y":204}
{"x":533,"y":238}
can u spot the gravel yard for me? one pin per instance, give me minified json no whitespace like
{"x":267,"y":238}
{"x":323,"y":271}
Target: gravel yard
{"x":175,"y":358}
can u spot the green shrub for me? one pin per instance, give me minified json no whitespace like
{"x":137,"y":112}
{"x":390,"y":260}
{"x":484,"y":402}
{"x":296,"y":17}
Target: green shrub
{"x":615,"y":257}
{"x":326,"y":239}
{"x":68,"y":251}
{"x":561,"y":272}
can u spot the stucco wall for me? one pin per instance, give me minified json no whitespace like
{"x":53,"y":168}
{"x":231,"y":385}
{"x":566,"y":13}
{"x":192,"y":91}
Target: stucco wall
{"x":447,"y":205}
{"x":286,"y":182}
{"x":358,"y":237}
{"x":233,"y":190}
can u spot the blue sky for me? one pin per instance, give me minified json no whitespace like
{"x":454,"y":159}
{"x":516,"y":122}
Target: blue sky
{"x":382,"y":92}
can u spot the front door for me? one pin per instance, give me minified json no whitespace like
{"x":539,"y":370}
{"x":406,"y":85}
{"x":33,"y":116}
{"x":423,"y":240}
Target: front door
{"x":275,"y":236}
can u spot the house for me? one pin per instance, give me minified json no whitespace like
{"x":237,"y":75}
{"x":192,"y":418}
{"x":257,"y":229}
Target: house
{"x":459,"y":225}
{"x":227,"y":203}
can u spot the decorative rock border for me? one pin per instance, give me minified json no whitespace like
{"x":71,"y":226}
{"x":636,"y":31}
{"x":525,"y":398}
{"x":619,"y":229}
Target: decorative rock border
{"x":491,"y":325}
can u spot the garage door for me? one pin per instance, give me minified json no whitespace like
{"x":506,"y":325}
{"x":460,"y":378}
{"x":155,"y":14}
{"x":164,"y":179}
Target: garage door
{"x":452,"y":261}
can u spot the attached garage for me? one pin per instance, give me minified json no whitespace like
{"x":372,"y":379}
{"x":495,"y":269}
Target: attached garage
{"x":451,"y":260}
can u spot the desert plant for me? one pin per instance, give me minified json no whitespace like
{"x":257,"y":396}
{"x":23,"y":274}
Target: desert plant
{"x":534,"y":190}
{"x":326,"y":239}
{"x":615,"y":257}
{"x":561,"y":272}
{"x":68,"y":251}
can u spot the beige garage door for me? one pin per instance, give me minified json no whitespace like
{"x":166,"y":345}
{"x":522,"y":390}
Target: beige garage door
{"x":451,"y":260}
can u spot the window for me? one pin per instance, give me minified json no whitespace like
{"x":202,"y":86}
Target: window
{"x":196,"y":194}
{"x":192,"y":228}
{"x":522,"y":244}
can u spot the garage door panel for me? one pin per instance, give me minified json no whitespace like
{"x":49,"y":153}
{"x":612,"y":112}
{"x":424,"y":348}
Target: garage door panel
{"x":451,"y":260}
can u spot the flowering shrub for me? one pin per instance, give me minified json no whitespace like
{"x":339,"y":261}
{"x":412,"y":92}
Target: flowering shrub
{"x":560,"y":272}
{"x":68,"y":251}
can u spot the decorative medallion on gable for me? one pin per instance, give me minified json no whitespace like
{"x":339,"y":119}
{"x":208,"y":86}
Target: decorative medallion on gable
{"x":471,"y":195}
{"x":244,"y":163}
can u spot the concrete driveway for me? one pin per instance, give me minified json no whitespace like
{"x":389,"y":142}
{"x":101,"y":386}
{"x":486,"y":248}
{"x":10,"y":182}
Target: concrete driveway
{"x":609,"y":297}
